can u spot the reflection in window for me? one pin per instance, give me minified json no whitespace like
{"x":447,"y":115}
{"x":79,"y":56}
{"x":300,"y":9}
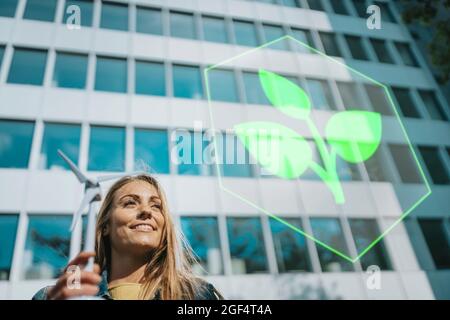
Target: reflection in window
{"x":59,"y":136}
{"x":272,"y":33}
{"x":70,"y":70}
{"x":215,"y":29}
{"x":365,"y":231}
{"x":320,"y":94}
{"x":202,"y":234}
{"x":290,"y":246}
{"x":192,"y":157}
{"x":315,"y":5}
{"x":182,"y":25}
{"x":329,"y":231}
{"x":386,"y":13}
{"x":360,"y":7}
{"x":106,"y":149}
{"x":150,"y":78}
{"x":8,"y":229}
{"x":330,"y":45}
{"x":438,"y":241}
{"x":378,"y":99}
{"x":8,"y":8}
{"x":339,"y":7}
{"x":15,"y":143}
{"x":356,"y":46}
{"x":47,"y":246}
{"x":27,"y":66}
{"x":377,"y":168}
{"x":114,"y":16}
{"x":347,"y":171}
{"x":406,"y":54}
{"x":151,"y":150}
{"x":235,"y":159}
{"x":40,"y":10}
{"x":149,"y":21}
{"x":381,"y":51}
{"x":222,"y":85}
{"x":292,"y":3}
{"x":187,"y":82}
{"x":111,"y":74}
{"x":405,"y":164}
{"x":303,"y":36}
{"x":435,"y":165}
{"x":86,"y":9}
{"x":405,"y":102}
{"x":253,"y":90}
{"x":246,"y":242}
{"x":245,"y":33}
{"x":350,"y":96}
{"x":432,"y":105}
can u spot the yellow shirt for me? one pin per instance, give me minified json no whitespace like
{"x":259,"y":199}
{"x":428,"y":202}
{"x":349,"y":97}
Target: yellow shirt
{"x":125,"y":291}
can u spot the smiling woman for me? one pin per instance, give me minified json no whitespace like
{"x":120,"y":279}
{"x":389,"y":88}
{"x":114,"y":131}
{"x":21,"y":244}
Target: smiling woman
{"x":137,"y":253}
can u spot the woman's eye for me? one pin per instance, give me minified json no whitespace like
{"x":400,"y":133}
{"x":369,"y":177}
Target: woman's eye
{"x":129,"y":203}
{"x":156,"y":206}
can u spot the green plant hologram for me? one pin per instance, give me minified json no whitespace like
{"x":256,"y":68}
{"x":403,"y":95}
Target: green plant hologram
{"x":352,"y":135}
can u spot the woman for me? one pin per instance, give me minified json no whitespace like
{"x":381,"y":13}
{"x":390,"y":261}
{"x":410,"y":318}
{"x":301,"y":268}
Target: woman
{"x":137,"y":255}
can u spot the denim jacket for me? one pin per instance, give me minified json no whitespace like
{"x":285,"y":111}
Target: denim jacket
{"x":207,"y":291}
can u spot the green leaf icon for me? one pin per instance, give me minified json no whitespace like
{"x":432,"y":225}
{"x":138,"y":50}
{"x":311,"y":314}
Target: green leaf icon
{"x":280,"y":150}
{"x":355,"y":135}
{"x":285,"y":95}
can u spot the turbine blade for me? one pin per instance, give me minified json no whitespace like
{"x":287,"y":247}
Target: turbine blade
{"x":80,"y":176}
{"x":88,"y":197}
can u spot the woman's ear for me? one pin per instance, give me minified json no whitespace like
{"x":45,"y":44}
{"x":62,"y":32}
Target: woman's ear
{"x":105,"y":230}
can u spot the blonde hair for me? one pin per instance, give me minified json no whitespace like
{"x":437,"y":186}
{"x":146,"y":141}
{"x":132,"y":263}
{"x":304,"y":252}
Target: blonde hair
{"x":168,"y":272}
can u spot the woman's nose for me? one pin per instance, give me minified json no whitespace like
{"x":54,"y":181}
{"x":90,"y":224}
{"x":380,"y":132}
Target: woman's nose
{"x":144,"y":213}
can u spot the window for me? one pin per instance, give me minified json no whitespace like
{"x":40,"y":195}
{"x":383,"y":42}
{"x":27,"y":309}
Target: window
{"x":381,"y":51}
{"x":149,"y":21}
{"x":150,"y":78}
{"x":8,"y":230}
{"x":360,"y":7}
{"x":114,"y":16}
{"x":356,"y":47}
{"x":182,"y":25}
{"x":329,"y":231}
{"x":432,"y":105}
{"x":339,"y":7}
{"x":377,"y":168}
{"x":190,"y":151}
{"x":408,"y":58}
{"x":290,"y":246}
{"x":111,"y":74}
{"x":151,"y":150}
{"x":215,"y":29}
{"x":315,"y":5}
{"x":347,"y":171}
{"x":86,"y":10}
{"x":27,"y":66}
{"x":291,"y":3}
{"x":59,"y":136}
{"x":245,"y":33}
{"x":222,"y":85}
{"x":187,"y":82}
{"x":2,"y":51}
{"x":378,"y":99}
{"x":435,"y":165}
{"x":272,"y":33}
{"x":15,"y":143}
{"x":320,"y":94}
{"x":350,"y":96}
{"x":386,"y":13}
{"x":43,"y":10}
{"x":234,"y":158}
{"x":70,"y":71}
{"x":303,"y":36}
{"x":253,"y":90}
{"x":106,"y":149}
{"x":330,"y":44}
{"x":47,"y":246}
{"x":438,"y":241}
{"x":405,"y":164}
{"x":203,"y":236}
{"x":8,"y":8}
{"x":405,"y":102}
{"x":246,"y":242}
{"x":365,"y":231}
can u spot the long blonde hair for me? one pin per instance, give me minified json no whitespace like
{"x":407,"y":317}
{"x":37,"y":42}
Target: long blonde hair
{"x":168,"y":271}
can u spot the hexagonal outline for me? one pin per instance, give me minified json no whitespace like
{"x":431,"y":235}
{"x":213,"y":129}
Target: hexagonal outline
{"x":292,"y":227}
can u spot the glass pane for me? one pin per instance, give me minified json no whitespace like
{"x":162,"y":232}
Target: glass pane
{"x":8,"y":230}
{"x":377,"y":168}
{"x":405,"y":102}
{"x":405,"y":164}
{"x":15,"y":143}
{"x":8,"y":8}
{"x":360,"y":7}
{"x":106,"y":149}
{"x":27,"y":66}
{"x":350,"y":96}
{"x":365,"y":231}
{"x":43,"y":10}
{"x":203,"y":236}
{"x":246,"y":242}
{"x":438,"y":242}
{"x":2,"y":51}
{"x":222,"y":85}
{"x":182,"y":25}
{"x":234,"y":157}
{"x":272,"y":33}
{"x":339,"y":7}
{"x":253,"y":90}
{"x":356,"y":48}
{"x":320,"y":94}
{"x":432,"y":105}
{"x":386,"y":13}
{"x":151,"y":150}
{"x":381,"y":51}
{"x":290,"y":246}
{"x":315,"y":5}
{"x":329,"y":231}
{"x":187,"y":82}
{"x":347,"y":171}
{"x":65,"y":137}
{"x":114,"y":16}
{"x":47,"y":246}
{"x":330,"y":44}
{"x":150,"y":78}
{"x":435,"y":165}
{"x":86,"y":11}
{"x":215,"y":30}
{"x":245,"y":33}
{"x":292,"y":3}
{"x":190,"y":151}
{"x":406,"y":54}
{"x":303,"y":36}
{"x":111,"y":75}
{"x":378,"y":99}
{"x":70,"y":71}
{"x":149,"y":21}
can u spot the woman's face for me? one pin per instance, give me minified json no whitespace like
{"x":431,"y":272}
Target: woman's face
{"x":137,"y":219}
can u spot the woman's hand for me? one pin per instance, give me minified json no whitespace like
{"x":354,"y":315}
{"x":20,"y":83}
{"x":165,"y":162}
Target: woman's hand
{"x":88,"y":281}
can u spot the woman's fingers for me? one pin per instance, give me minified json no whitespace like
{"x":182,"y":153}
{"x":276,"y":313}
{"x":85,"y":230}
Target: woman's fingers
{"x":81,"y":259}
{"x":83,"y":290}
{"x":74,"y":281}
